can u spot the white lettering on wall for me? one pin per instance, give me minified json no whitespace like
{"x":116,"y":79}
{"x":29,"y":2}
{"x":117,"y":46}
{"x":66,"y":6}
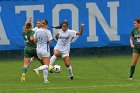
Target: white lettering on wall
{"x":3,"y":37}
{"x":95,"y":13}
{"x":29,"y":10}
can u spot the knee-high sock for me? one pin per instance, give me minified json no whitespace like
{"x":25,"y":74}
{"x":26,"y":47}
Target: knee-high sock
{"x":45,"y":73}
{"x":70,"y":71}
{"x":52,"y":60}
{"x":132,"y":70}
{"x":24,"y":70}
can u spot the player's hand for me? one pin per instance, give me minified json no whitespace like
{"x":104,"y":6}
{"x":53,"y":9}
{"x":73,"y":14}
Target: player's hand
{"x":82,"y":26}
{"x":30,"y":19}
{"x":132,"y":46}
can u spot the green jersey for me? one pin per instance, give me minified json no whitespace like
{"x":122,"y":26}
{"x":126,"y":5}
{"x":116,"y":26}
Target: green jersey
{"x":136,"y":35}
{"x":29,"y":45}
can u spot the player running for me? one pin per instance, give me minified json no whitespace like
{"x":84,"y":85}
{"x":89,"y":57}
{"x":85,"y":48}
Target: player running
{"x":62,"y":48}
{"x":43,"y":38}
{"x":135,"y":38}
{"x":30,"y":48}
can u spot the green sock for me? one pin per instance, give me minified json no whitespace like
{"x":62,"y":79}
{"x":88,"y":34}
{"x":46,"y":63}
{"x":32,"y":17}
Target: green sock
{"x":24,"y":69}
{"x":132,"y":70}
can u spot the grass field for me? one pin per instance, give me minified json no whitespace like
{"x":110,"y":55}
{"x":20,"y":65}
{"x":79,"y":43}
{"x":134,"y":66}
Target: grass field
{"x":92,"y":75}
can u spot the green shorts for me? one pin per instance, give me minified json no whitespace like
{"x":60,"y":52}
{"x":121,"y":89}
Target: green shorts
{"x":29,"y":53}
{"x":136,"y":50}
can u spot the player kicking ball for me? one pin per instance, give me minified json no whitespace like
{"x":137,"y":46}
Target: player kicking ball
{"x":62,"y":48}
{"x":43,"y":38}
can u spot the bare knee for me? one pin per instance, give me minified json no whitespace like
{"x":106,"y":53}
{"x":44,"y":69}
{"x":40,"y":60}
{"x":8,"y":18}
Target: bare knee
{"x":56,"y":53}
{"x":134,"y":62}
{"x":67,"y":65}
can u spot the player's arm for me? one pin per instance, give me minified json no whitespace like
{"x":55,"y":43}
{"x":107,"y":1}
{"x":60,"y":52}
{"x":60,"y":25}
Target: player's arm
{"x":31,"y":38}
{"x":50,"y":41}
{"x":81,"y":30}
{"x":24,"y":27}
{"x":34,"y":37}
{"x":131,"y":39}
{"x":56,"y":36}
{"x":49,"y":37}
{"x":131,"y":42}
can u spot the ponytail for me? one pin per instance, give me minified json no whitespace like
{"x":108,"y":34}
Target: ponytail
{"x":60,"y":26}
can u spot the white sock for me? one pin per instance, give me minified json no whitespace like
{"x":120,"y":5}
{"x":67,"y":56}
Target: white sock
{"x":70,"y":71}
{"x":45,"y":73}
{"x":42,"y":67}
{"x":53,"y":58}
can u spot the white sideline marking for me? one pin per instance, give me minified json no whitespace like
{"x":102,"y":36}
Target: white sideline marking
{"x":83,"y":87}
{"x":78,"y":77}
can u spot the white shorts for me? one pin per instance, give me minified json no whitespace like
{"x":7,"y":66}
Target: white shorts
{"x":44,"y":53}
{"x":63,"y":53}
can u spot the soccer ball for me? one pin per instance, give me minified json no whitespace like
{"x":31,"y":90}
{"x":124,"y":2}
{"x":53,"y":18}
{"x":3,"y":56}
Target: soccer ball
{"x":56,"y":68}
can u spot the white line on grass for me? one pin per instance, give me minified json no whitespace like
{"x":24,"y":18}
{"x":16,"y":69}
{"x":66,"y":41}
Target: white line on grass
{"x":84,"y":87}
{"x":78,"y":77}
{"x":81,"y":87}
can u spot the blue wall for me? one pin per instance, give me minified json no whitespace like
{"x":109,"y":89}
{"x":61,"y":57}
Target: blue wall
{"x":107,"y":22}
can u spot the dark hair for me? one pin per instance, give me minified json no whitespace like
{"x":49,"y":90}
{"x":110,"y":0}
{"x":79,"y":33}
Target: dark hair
{"x":45,"y":20}
{"x":28,"y":25}
{"x":38,"y":21}
{"x":60,"y":26}
{"x":137,"y":20}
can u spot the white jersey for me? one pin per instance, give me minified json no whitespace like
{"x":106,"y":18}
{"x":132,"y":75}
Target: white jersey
{"x":64,"y":40}
{"x":35,"y":29}
{"x":43,"y":36}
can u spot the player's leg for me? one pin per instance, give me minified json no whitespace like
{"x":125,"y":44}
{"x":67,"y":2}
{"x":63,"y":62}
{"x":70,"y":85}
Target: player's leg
{"x":46,"y":61}
{"x":40,"y":60}
{"x":66,"y":59}
{"x":44,"y":68}
{"x":38,"y":56}
{"x":31,"y":60}
{"x":27,"y":58}
{"x":45,"y":56}
{"x":54,"y":57}
{"x":135,"y":57}
{"x":25,"y":68}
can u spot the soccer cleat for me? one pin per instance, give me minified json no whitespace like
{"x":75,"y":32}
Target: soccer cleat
{"x":46,"y":81}
{"x":51,"y":71}
{"x":36,"y":71}
{"x":71,"y":77}
{"x":50,"y":68}
{"x":23,"y":77}
{"x":130,"y":78}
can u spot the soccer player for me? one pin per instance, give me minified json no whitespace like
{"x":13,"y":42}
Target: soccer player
{"x":30,"y":48}
{"x":62,"y":48}
{"x":135,"y":44}
{"x":43,"y":38}
{"x":38,"y":25}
